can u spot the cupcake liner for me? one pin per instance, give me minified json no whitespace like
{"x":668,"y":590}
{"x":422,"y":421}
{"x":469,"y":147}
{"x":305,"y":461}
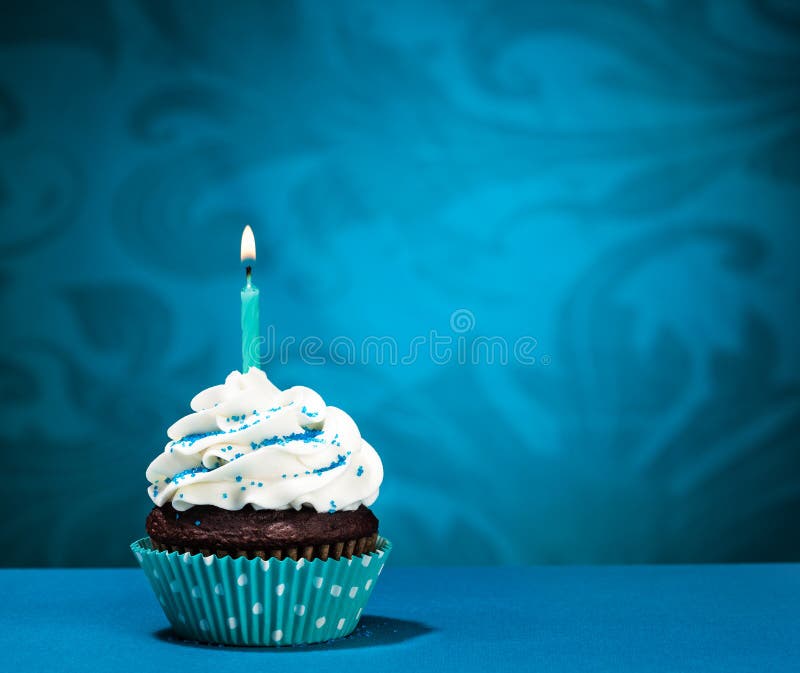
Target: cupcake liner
{"x":241,"y":601}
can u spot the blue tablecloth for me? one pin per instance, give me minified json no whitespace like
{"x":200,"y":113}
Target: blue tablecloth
{"x":646,"y":618}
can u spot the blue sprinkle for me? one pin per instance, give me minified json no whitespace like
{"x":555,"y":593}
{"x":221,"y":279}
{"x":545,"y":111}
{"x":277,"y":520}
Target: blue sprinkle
{"x":224,"y":496}
{"x":244,"y":488}
{"x":360,"y":470}
{"x":340,"y":460}
{"x":307,"y":437}
{"x":283,"y":476}
{"x":260,"y":484}
{"x":196,"y":523}
{"x":238,"y":477}
{"x":189,"y":473}
{"x":191,"y":439}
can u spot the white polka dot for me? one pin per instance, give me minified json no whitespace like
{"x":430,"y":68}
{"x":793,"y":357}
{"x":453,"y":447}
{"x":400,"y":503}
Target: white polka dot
{"x":358,"y":614}
{"x":241,"y":580}
{"x":300,"y":564}
{"x":380,"y":553}
{"x":350,"y":561}
{"x":318,"y":582}
{"x":203,"y":625}
{"x":187,"y":557}
{"x":380,"y":570}
{"x":299,"y":610}
{"x":366,"y":560}
{"x":320,"y":622}
{"x":139,"y":557}
{"x":368,"y":585}
{"x":257,"y":608}
{"x":196,"y":591}
{"x":219,"y":590}
{"x":280,"y":589}
{"x":264,"y":565}
{"x":277,"y":635}
{"x":336,"y":590}
{"x":353,"y":592}
{"x":340,"y":625}
{"x":232,"y":622}
{"x":175,"y":586}
{"x":208,"y":560}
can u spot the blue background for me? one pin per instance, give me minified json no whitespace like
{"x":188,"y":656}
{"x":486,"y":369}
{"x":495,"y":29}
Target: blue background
{"x":619,"y":180}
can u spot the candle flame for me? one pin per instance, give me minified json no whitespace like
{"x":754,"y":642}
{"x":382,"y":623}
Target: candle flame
{"x":248,"y":244}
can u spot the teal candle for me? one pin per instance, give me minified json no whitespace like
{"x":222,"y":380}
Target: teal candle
{"x":250,"y":318}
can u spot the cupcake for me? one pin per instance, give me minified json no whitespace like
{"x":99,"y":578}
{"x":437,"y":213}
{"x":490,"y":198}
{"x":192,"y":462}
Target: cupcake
{"x":261,"y":532}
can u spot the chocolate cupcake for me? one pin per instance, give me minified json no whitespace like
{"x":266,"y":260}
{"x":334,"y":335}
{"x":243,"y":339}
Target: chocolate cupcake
{"x":257,"y":477}
{"x":263,"y":533}
{"x":264,"y":472}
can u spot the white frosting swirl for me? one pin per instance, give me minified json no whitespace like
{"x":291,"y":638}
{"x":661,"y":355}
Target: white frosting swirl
{"x":248,"y":442}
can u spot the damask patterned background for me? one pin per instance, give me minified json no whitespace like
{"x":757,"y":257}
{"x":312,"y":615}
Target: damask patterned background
{"x":619,"y":180}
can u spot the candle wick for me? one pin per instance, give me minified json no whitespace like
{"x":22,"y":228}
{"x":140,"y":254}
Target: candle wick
{"x":248,"y":271}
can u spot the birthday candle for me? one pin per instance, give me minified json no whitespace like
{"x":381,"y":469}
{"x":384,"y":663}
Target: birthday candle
{"x":250,"y":334}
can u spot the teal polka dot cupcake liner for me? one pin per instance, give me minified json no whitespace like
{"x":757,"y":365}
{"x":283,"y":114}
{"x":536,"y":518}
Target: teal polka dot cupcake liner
{"x":261,"y":602}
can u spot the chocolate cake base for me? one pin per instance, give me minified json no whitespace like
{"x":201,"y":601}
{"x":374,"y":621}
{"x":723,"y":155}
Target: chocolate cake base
{"x":263,"y":533}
